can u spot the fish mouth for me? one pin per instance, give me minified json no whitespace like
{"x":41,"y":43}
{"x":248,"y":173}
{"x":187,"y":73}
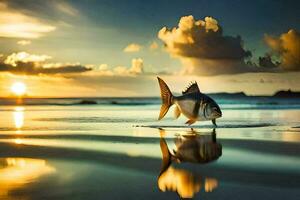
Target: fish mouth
{"x":217,"y":115}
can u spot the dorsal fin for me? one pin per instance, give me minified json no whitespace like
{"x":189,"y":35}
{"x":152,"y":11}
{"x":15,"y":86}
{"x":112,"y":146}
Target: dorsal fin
{"x":192,"y":88}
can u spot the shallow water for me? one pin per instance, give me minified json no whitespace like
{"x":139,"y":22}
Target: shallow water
{"x":116,"y":152}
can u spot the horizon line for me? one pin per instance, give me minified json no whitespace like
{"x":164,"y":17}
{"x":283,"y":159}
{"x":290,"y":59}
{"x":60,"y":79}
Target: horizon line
{"x":156,"y":96}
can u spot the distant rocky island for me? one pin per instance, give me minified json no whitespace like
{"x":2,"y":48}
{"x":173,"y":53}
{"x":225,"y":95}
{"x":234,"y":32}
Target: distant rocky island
{"x":278,"y":94}
{"x":231,"y":95}
{"x":287,"y":94}
{"x":87,"y":102}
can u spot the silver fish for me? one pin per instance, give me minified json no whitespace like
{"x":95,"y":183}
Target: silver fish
{"x":193,"y":104}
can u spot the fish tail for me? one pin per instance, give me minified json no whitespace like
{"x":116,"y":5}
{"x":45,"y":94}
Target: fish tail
{"x":166,"y":97}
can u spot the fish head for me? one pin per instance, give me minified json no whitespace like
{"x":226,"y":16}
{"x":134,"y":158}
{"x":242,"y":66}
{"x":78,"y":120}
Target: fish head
{"x":213,"y":110}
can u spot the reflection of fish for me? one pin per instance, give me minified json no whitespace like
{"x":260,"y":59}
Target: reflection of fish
{"x":193,"y":148}
{"x":193,"y":104}
{"x":185,"y":183}
{"x":196,"y":149}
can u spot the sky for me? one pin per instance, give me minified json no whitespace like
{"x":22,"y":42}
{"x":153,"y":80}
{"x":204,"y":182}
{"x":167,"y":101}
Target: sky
{"x":61,"y":48}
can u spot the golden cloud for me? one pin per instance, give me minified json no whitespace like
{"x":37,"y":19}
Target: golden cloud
{"x":14,"y":24}
{"x":287,"y":48}
{"x":24,"y":57}
{"x":24,"y":42}
{"x":137,"y":65}
{"x":31,"y":64}
{"x":132,"y":48}
{"x":137,"y":68}
{"x":200,"y":42}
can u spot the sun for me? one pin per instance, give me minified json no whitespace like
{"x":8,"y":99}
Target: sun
{"x":18,"y":88}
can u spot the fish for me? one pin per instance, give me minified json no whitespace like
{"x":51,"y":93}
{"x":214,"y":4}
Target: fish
{"x":193,"y":104}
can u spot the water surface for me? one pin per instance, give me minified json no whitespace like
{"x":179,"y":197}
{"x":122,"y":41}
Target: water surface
{"x":113,"y":151}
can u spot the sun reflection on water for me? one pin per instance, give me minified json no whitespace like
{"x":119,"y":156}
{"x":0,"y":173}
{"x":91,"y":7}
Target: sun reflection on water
{"x":18,"y":116}
{"x":17,"y":172}
{"x":18,"y":141}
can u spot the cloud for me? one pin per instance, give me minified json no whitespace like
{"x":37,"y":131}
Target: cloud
{"x":132,"y":48}
{"x":30,"y":64}
{"x":203,"y":49}
{"x":24,"y":57}
{"x":103,"y":67}
{"x":266,"y":61}
{"x":49,"y":10}
{"x":153,"y":46}
{"x":15,"y":24}
{"x":66,"y":8}
{"x":287,"y":48}
{"x":137,"y":68}
{"x":210,"y":67}
{"x":33,"y":69}
{"x":24,"y":42}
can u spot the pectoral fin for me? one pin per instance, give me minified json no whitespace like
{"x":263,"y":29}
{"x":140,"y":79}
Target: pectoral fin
{"x":190,"y":122}
{"x":177,"y":112}
{"x":214,"y":122}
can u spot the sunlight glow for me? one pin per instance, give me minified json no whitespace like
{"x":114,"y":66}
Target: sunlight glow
{"x":18,"y":88}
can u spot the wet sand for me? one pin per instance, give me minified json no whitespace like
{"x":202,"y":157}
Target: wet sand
{"x":127,"y":159}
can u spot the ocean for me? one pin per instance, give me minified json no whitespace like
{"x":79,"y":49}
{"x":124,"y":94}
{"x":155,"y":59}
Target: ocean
{"x":115,"y":148}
